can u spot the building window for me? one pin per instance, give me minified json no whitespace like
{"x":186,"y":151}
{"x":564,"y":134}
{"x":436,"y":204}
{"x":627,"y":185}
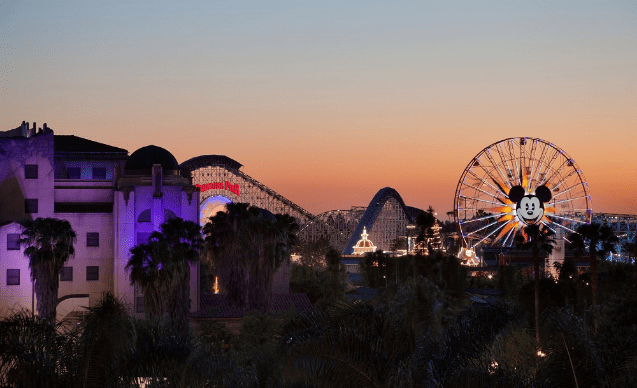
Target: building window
{"x":144,"y":216}
{"x":92,"y":272}
{"x":13,"y":277}
{"x":74,"y":172}
{"x":13,"y":241}
{"x":66,"y":274}
{"x":99,"y":173}
{"x":31,"y":171}
{"x":92,"y":239}
{"x":31,"y":205}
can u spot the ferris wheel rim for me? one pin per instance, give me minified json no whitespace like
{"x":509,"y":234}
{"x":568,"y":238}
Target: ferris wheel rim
{"x":579,"y":183}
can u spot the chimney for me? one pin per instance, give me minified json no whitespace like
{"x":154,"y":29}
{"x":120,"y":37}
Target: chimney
{"x":24,"y":129}
{"x":45,"y":128}
{"x":34,"y":129}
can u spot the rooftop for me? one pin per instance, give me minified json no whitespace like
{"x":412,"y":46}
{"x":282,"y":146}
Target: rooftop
{"x":71,"y":144}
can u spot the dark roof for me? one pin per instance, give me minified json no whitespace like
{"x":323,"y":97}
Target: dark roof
{"x":217,"y":306}
{"x":141,"y":161}
{"x":210,"y":161}
{"x":72,"y":144}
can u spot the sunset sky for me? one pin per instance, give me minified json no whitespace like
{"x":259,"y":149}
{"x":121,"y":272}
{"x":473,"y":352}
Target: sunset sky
{"x":327,"y":102}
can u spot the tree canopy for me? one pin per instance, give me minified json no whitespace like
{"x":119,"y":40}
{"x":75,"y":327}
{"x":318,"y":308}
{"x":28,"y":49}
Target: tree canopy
{"x":48,"y":245}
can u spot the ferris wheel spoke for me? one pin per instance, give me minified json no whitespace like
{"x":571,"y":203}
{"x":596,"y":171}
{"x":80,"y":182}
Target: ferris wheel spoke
{"x":490,"y":234}
{"x":506,"y":238}
{"x":549,"y":167}
{"x":495,"y":167}
{"x":564,"y":227}
{"x":540,"y":163}
{"x":532,"y":162}
{"x":501,"y":186}
{"x":479,"y":219}
{"x":480,"y":200}
{"x":549,"y":227}
{"x":497,"y":164}
{"x":510,"y":158}
{"x":570,"y":199}
{"x":517,"y":168}
{"x":480,"y":190}
{"x":548,"y":164}
{"x":505,"y":162}
{"x":483,"y":228}
{"x":560,"y":168}
{"x":565,"y":191}
{"x":483,"y":181}
{"x":564,"y":179}
{"x":566,"y":218}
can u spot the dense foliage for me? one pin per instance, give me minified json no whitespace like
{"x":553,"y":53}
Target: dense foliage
{"x":161,"y":268}
{"x":422,"y":329}
{"x":245,"y":246}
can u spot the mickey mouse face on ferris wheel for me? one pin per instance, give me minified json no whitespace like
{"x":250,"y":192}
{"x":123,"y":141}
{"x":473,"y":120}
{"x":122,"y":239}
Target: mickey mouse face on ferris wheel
{"x":530,"y":207}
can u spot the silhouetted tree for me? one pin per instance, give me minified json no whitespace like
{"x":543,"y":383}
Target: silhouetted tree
{"x":601,"y":241}
{"x":49,"y":244}
{"x":373,"y":269}
{"x":161,"y":267}
{"x":336,"y":274}
{"x":313,"y":252}
{"x":537,"y":239}
{"x":245,"y":247}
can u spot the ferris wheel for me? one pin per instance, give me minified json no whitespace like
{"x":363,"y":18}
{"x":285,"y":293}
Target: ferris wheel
{"x":518,"y":182}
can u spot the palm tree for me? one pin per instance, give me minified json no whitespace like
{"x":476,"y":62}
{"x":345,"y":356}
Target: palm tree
{"x":161,"y":268}
{"x":49,"y":244}
{"x":104,"y":345}
{"x":145,"y":264}
{"x":245,"y":246}
{"x":601,"y":241}
{"x":185,"y":242}
{"x":278,"y":237}
{"x":336,"y":272}
{"x":34,"y":352}
{"x":537,"y":239}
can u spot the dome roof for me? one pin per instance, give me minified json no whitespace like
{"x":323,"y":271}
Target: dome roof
{"x":364,"y":244}
{"x":141,"y":161}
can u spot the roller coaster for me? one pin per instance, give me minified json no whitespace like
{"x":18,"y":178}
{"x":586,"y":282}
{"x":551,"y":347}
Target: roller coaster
{"x":221,"y":180}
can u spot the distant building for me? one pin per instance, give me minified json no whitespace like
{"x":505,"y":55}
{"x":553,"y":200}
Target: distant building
{"x":112,"y":201}
{"x":364,"y":245}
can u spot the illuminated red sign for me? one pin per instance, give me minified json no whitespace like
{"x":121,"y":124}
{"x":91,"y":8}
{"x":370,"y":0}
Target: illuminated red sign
{"x":233,"y":188}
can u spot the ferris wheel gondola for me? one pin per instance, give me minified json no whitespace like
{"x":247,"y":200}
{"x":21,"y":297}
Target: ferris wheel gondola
{"x":518,"y":182}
